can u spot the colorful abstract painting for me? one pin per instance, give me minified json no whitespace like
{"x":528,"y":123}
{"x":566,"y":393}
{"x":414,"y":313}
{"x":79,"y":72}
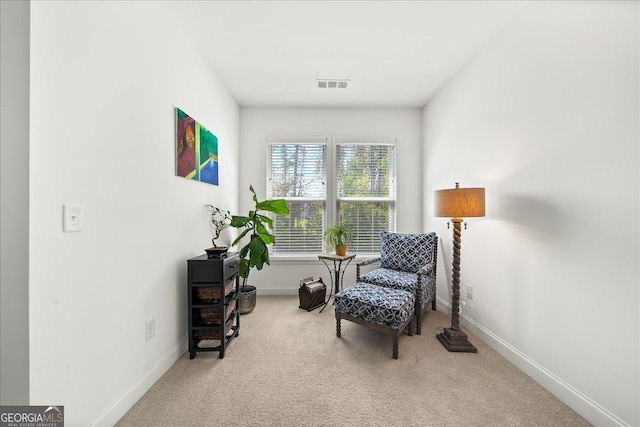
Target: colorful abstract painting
{"x":196,"y":150}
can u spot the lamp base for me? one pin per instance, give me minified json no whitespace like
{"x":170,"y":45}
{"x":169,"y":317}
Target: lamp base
{"x":456,"y":341}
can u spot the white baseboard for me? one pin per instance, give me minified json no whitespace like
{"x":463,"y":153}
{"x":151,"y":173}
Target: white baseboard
{"x":129,"y":398}
{"x":587,"y":408}
{"x":267,"y":290}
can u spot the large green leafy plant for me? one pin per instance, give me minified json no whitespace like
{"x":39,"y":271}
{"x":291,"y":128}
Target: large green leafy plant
{"x":258,"y":227}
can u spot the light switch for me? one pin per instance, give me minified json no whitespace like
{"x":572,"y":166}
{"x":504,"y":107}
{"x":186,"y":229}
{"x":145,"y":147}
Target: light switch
{"x":71,"y":218}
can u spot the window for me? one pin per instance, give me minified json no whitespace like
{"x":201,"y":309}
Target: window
{"x":366,"y":191}
{"x":356,"y":187}
{"x":297,"y":172}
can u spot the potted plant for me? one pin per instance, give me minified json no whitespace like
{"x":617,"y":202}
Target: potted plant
{"x":339,"y":235}
{"x":218,"y":220}
{"x":255,"y":253}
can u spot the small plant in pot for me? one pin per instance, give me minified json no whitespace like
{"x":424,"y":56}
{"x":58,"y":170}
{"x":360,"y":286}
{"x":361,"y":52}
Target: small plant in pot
{"x":339,"y":235}
{"x":255,"y":253}
{"x":219,"y":220}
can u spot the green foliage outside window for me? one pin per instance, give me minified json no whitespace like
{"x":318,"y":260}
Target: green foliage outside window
{"x":364,"y":173}
{"x":365,"y":196}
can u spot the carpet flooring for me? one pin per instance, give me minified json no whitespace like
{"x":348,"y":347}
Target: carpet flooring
{"x":288,"y":368}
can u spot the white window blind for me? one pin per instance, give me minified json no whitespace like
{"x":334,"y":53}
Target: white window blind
{"x":357,"y":187}
{"x":366,"y":191}
{"x":297,"y":173}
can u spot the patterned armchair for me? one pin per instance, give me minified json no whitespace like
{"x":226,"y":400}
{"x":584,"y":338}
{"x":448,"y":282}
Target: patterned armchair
{"x":406,"y":262}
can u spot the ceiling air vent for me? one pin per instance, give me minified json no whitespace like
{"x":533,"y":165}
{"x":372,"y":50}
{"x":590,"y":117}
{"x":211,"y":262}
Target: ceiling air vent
{"x":332,"y":83}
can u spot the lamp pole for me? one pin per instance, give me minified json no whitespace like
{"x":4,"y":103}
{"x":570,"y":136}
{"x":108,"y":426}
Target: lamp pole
{"x":454,"y":339}
{"x":455,"y":277}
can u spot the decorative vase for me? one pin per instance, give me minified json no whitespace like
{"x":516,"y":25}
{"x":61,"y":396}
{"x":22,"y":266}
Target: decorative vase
{"x":247,"y":299}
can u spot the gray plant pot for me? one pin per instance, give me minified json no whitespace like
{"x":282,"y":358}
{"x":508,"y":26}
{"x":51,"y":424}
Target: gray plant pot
{"x":247,"y":299}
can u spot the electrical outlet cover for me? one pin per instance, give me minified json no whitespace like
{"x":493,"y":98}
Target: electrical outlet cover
{"x":149,"y":329}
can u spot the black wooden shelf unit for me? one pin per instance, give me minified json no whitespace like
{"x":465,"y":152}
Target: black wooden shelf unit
{"x":213,"y":292}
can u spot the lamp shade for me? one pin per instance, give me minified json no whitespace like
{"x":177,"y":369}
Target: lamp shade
{"x":459,"y":202}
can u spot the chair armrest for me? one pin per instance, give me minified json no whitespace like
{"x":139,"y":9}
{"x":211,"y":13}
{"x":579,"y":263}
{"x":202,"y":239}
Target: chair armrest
{"x":368,"y":261}
{"x":363,"y":263}
{"x":426,"y":269}
{"x":430,"y":271}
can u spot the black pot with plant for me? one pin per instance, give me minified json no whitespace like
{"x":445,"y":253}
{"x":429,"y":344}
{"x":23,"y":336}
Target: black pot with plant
{"x":255,"y":253}
{"x":339,"y":235}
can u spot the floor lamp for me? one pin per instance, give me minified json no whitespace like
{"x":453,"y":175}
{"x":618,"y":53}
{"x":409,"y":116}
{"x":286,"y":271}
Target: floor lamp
{"x":456,"y":204}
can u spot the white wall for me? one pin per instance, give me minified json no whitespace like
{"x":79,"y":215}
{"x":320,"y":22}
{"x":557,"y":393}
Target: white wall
{"x":105,"y":79}
{"x":546,"y":117}
{"x":257,"y":124}
{"x":14,"y":203}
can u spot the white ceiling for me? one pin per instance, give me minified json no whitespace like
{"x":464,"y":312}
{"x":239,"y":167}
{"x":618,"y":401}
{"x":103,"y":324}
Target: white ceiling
{"x":395,"y":53}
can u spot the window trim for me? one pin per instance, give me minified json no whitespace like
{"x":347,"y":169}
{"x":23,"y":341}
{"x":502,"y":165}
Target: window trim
{"x":331,"y":200}
{"x":361,"y":140}
{"x":303,"y":140}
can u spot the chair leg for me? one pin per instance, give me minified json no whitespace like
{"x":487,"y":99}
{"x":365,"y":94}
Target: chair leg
{"x":394,"y":334}
{"x":411,"y":326}
{"x":338,"y":331}
{"x":418,"y":321}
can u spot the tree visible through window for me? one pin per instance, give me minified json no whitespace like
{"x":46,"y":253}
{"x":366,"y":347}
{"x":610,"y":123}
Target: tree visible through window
{"x":297,"y":173}
{"x":362,"y":193}
{"x":366,"y":192}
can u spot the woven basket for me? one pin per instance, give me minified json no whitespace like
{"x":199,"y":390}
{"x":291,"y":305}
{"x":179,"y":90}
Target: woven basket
{"x":211,"y":316}
{"x":209,"y":294}
{"x":213,"y":334}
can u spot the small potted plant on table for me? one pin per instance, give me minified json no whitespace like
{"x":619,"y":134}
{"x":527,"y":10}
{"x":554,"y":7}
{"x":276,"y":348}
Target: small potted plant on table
{"x":339,"y":235}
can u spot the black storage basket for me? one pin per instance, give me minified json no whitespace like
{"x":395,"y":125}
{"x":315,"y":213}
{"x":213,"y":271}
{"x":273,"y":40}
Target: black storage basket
{"x":312,"y":294}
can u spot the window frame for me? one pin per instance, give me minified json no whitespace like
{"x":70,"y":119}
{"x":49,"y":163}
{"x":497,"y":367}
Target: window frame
{"x":365,"y":140}
{"x":305,"y":140}
{"x":331,"y":180}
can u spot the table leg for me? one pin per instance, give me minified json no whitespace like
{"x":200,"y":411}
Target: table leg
{"x":336,"y":274}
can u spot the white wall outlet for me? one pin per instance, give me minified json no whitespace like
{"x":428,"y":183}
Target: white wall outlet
{"x":469,"y":291}
{"x":71,"y":218}
{"x":149,"y":329}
